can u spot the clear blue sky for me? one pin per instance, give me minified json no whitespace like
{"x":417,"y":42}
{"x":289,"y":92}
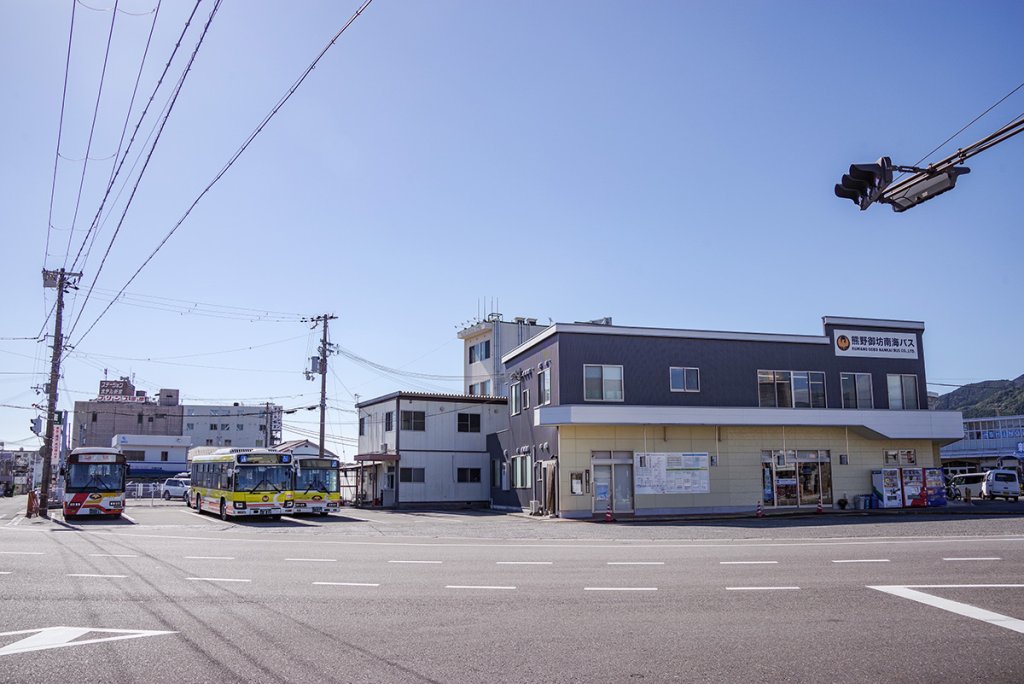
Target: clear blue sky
{"x":664,"y":163}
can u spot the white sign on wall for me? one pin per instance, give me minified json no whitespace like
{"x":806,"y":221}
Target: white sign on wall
{"x":671,"y":473}
{"x":878,"y":344}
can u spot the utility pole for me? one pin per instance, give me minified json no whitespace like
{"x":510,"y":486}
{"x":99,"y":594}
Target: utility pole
{"x":60,"y":280}
{"x":322,"y":369}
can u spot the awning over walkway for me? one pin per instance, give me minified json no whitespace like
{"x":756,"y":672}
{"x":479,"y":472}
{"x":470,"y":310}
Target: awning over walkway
{"x":379,"y":458}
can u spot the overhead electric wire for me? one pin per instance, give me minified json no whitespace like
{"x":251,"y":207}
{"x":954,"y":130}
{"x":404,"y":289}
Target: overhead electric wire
{"x":138,"y":180}
{"x":236,"y":155}
{"x":124,"y":129}
{"x":92,"y":130}
{"x":184,"y":307}
{"x":60,"y":131}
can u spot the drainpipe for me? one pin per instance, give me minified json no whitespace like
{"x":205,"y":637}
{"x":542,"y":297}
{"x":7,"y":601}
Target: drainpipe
{"x":398,"y":454}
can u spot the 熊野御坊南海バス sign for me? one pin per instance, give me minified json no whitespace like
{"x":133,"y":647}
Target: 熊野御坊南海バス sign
{"x":883,"y":344}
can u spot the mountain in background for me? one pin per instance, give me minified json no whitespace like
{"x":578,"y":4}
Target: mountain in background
{"x":986,"y":398}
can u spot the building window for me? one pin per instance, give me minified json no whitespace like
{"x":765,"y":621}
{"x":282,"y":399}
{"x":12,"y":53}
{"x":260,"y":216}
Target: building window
{"x":526,"y":398}
{"x":165,"y":456}
{"x":213,"y":426}
{"x":468,"y":475}
{"x":684,"y":379}
{"x":576,"y":484}
{"x":190,"y":426}
{"x":902,"y":391}
{"x":602,"y":383}
{"x":469,"y":422}
{"x":411,"y":474}
{"x":480,"y":351}
{"x":414,"y":420}
{"x":225,"y":426}
{"x":140,"y":419}
{"x":514,"y":407}
{"x":209,"y":442}
{"x":132,"y":455}
{"x":362,"y":426}
{"x":522,"y":467}
{"x":791,"y":389}
{"x":857,"y":390}
{"x":239,"y":426}
{"x":94,"y":417}
{"x":544,"y":387}
{"x":227,"y":442}
{"x":389,"y":421}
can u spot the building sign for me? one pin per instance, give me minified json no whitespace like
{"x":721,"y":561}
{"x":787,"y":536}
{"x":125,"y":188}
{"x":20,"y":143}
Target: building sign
{"x":891,"y":345}
{"x":116,"y":387}
{"x":120,"y":398}
{"x":55,"y":447}
{"x":1005,"y":433}
{"x":672,"y":473}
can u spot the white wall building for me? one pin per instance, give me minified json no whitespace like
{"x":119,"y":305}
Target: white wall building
{"x":154,"y":455}
{"x":486,"y":342}
{"x":238,"y":425}
{"x":438,"y":443}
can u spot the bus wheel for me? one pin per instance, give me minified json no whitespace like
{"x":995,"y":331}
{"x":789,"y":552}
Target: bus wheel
{"x":323,"y":512}
{"x":199,"y":508}
{"x":223,"y":510}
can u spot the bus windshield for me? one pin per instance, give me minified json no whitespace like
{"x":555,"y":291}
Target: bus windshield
{"x":316,"y":480}
{"x":95,"y":477}
{"x":262,"y":478}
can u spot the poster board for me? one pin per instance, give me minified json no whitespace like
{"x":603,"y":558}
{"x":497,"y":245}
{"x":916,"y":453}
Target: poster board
{"x":672,"y":473}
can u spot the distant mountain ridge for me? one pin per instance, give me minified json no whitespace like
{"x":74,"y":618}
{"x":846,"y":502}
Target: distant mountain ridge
{"x":986,"y":398}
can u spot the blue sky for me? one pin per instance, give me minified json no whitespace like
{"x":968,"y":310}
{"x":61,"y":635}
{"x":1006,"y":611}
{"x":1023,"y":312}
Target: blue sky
{"x":664,"y":163}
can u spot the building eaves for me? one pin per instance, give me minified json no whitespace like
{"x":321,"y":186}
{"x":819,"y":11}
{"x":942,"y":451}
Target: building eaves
{"x":431,"y":396}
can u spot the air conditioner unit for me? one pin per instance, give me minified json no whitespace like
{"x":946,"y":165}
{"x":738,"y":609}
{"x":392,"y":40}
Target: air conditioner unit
{"x":384,"y":448}
{"x":534,"y":507}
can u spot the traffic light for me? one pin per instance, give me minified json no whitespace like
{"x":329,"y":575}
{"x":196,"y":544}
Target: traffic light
{"x":37,"y":425}
{"x":865,"y":182}
{"x":926,"y":188}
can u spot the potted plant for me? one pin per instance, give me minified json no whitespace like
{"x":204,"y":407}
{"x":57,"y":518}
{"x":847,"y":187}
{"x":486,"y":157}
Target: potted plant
{"x":843,"y":503}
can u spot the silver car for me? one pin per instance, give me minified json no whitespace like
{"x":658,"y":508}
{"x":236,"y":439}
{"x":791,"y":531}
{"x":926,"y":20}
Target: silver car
{"x":175,"y":488}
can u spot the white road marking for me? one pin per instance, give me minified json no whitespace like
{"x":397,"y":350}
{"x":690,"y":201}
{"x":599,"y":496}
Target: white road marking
{"x":748,"y":562}
{"x":210,"y":557}
{"x":60,"y":637}
{"x":129,"y":518}
{"x":313,"y":560}
{"x":15,"y":520}
{"x":5,"y":572}
{"x":346,"y":584}
{"x":468,"y":586}
{"x":2,"y":516}
{"x":198,"y":515}
{"x":965,"y":609}
{"x":113,"y":555}
{"x":979,"y":558}
{"x":416,"y":562}
{"x":216,"y":579}
{"x":636,"y":563}
{"x":620,"y":588}
{"x":523,"y":563}
{"x":88,"y":575}
{"x":863,"y":560}
{"x":762,"y":588}
{"x":22,"y":553}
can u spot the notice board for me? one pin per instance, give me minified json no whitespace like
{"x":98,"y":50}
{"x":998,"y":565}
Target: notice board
{"x":671,"y":473}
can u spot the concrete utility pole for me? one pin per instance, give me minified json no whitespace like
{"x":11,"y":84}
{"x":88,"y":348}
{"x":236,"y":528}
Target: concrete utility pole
{"x":324,"y":351}
{"x":60,"y":280}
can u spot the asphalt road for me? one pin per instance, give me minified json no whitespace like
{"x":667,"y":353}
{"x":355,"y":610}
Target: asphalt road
{"x":375,"y":596}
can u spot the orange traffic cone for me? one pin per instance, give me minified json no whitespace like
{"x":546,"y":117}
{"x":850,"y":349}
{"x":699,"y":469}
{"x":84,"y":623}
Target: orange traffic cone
{"x":820,"y":509}
{"x":608,"y":514}
{"x":759,"y":511}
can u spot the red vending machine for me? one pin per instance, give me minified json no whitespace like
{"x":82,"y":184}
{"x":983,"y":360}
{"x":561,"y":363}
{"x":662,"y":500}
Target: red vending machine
{"x":915,"y":494}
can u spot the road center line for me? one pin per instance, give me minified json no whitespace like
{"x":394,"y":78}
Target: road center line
{"x":978,"y":558}
{"x":313,"y":560}
{"x":216,"y":579}
{"x":7,"y":572}
{"x":113,"y":555}
{"x":748,"y":562}
{"x":416,"y":562}
{"x":863,"y":560}
{"x":523,"y":563}
{"x":86,"y":575}
{"x":620,"y":588}
{"x":467,"y":586}
{"x":22,"y":553}
{"x":210,"y":557}
{"x":346,"y":584}
{"x":762,"y":588}
{"x":636,"y":563}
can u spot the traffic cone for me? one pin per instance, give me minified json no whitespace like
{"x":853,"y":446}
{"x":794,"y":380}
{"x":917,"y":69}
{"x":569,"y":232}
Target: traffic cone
{"x":759,"y":511}
{"x":608,"y":514}
{"x":820,"y":509}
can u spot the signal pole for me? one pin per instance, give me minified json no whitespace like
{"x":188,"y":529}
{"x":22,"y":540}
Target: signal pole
{"x":322,"y":368}
{"x":61,"y":280}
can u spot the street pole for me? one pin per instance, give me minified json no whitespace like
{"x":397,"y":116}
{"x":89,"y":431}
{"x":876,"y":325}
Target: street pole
{"x":323,"y":384}
{"x":63,"y":280}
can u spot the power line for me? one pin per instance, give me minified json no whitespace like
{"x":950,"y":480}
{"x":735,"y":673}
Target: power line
{"x":138,"y":180}
{"x":60,"y":132}
{"x":237,"y":154}
{"x":92,"y":130}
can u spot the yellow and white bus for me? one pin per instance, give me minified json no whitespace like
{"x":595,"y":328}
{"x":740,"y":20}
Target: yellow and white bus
{"x":243,"y":482}
{"x":316,"y":485}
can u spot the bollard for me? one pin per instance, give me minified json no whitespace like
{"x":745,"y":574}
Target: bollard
{"x":967,"y":495}
{"x":759,"y":511}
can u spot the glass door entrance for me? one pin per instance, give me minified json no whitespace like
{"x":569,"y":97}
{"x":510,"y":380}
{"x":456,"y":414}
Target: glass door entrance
{"x":796,"y":477}
{"x":613,"y":482}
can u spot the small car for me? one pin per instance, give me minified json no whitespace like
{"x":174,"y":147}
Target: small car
{"x":176,"y":488}
{"x":1000,"y":482}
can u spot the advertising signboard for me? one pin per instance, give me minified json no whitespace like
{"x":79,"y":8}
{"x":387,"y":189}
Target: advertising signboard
{"x":892,"y":345}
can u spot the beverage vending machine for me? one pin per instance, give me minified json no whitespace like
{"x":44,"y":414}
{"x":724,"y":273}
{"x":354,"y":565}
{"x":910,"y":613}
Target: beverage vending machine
{"x":935,"y":483}
{"x":887,"y":487}
{"x":915,"y":494}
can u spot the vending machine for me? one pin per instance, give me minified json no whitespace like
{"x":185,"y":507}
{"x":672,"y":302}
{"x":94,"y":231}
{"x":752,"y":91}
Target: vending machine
{"x":935,"y":483}
{"x":887,"y":487}
{"x":914,"y":492}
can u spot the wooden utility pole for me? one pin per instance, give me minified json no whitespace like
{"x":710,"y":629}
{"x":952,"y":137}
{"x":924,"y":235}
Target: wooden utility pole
{"x":60,"y":280}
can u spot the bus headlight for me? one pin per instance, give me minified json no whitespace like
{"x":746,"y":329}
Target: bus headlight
{"x":116,"y":504}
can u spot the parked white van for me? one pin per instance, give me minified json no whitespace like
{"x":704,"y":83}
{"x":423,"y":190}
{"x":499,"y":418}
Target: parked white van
{"x":1004,"y":483}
